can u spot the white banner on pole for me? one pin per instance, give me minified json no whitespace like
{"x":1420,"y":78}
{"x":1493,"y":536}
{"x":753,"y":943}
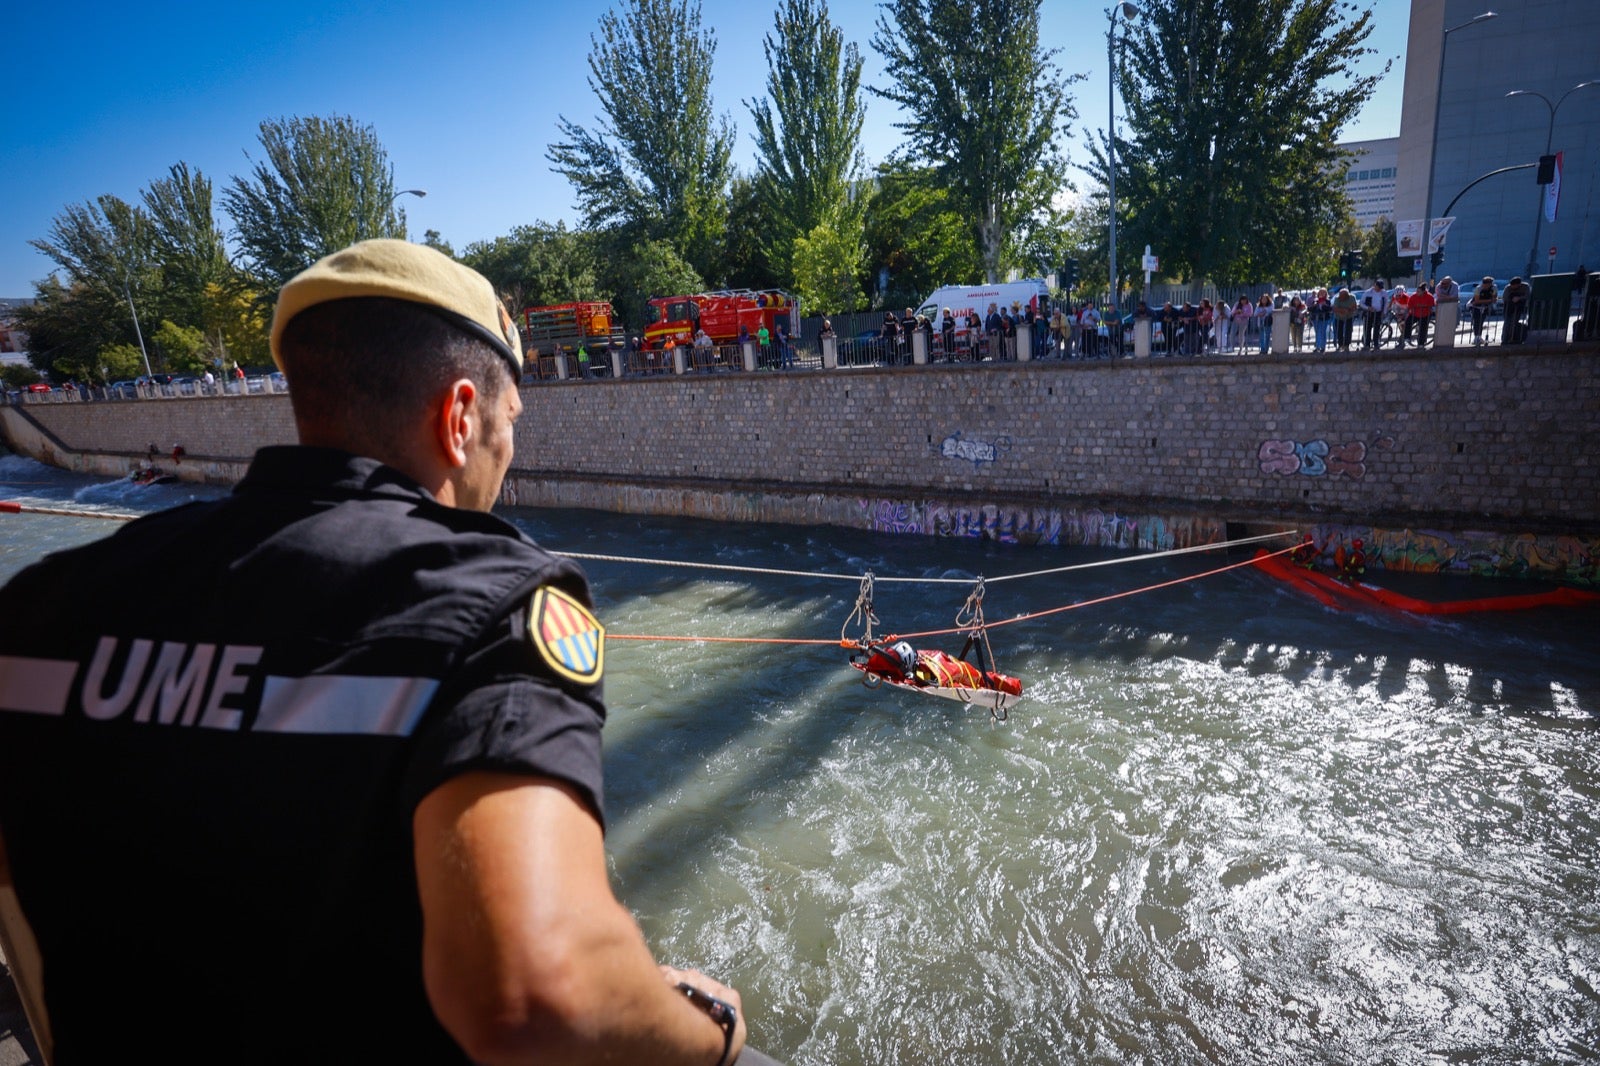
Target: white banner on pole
{"x":1552,"y":192}
{"x":1436,"y":234}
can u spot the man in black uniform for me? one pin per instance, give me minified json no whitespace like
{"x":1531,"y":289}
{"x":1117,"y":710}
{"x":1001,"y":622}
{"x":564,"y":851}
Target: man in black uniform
{"x":335,"y":794}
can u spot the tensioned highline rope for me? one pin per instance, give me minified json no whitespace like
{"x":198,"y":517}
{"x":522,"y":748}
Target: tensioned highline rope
{"x":959,"y":629}
{"x":730,"y":568}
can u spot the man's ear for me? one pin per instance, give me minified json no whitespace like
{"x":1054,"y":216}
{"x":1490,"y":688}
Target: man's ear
{"x":455,"y":421}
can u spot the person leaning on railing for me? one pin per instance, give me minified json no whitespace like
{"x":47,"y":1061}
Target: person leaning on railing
{"x":1483,"y":301}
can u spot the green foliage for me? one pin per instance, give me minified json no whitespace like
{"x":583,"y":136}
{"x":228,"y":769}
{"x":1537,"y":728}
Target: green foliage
{"x":537,"y":265}
{"x":986,"y":105}
{"x":16,"y":375}
{"x":744,"y":263}
{"x":915,"y":229}
{"x":827,"y":269}
{"x":432,"y":239}
{"x":657,"y":167}
{"x":119,"y":362}
{"x":1383,"y":255}
{"x":106,"y":244}
{"x":808,"y":134}
{"x":1228,"y":164}
{"x":235,"y":319}
{"x":183,"y":348}
{"x":67,"y":325}
{"x":643,"y":271}
{"x":323,"y":184}
{"x":185,"y":241}
{"x":1043,"y":243}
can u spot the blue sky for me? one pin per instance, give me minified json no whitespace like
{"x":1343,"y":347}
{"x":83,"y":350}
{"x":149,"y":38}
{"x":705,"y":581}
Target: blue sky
{"x":105,"y":98}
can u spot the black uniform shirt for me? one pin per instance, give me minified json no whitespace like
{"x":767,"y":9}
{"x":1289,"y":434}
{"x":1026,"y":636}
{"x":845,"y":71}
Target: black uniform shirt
{"x":215,"y":726}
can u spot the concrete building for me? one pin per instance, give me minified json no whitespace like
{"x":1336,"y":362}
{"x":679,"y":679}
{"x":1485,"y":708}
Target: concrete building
{"x":1541,"y":46}
{"x":1370,"y":181}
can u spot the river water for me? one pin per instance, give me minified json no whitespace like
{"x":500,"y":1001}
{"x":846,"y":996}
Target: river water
{"x":1225,"y":825}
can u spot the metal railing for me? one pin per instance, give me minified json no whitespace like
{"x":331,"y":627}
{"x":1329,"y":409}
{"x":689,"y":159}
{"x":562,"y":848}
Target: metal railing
{"x":264,"y":385}
{"x":1543,"y":323}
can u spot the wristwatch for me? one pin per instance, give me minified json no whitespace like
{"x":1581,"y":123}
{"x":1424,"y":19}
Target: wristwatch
{"x":719,"y":1011}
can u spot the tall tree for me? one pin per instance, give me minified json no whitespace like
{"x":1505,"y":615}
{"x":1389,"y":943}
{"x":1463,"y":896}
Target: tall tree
{"x":917,"y":235}
{"x":808,"y":132}
{"x":986,"y":106}
{"x":105,"y":249}
{"x":323,"y":184}
{"x":1229,"y":165}
{"x":185,"y":238}
{"x":106,"y":243}
{"x":657,"y":165}
{"x":69,"y":325}
{"x":744,"y":263}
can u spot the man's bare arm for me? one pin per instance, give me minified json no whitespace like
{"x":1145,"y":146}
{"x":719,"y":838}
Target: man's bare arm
{"x":527,"y":955}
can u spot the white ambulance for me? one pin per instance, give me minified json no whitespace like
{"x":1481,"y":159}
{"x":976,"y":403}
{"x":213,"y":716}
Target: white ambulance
{"x":965,"y":299}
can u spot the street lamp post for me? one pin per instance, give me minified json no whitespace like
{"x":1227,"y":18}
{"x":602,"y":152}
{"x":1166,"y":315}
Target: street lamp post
{"x":1128,"y":11}
{"x":1549,"y":139}
{"x":1433,"y":151}
{"x":419,"y":193}
{"x":137,"y":332}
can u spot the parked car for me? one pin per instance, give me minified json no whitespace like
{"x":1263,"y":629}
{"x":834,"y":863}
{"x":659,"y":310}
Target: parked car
{"x":868,"y":346}
{"x":123,"y":390}
{"x":37,"y":386}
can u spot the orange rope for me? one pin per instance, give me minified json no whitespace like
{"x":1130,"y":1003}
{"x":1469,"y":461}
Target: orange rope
{"x":891,"y":638}
{"x":721,"y":640}
{"x":1102,"y":599}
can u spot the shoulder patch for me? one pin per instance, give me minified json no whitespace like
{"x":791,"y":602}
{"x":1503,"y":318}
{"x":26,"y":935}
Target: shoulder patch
{"x":567,"y":637}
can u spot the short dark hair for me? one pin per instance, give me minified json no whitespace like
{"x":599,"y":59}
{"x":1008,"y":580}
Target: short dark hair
{"x":368,"y":367}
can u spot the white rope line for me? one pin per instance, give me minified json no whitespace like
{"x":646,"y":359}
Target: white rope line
{"x":729,"y":568}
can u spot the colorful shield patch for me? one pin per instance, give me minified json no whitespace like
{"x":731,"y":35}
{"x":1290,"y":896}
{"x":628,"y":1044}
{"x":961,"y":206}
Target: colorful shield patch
{"x":569,"y":639}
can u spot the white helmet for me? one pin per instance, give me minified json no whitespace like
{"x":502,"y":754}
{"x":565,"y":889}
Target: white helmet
{"x":907,"y":656}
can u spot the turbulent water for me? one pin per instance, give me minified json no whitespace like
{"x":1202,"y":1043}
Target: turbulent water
{"x":1225,"y":825}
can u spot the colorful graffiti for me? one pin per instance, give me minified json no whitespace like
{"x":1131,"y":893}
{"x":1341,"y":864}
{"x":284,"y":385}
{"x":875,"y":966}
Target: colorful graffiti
{"x":1522,"y":555}
{"x":1313,"y":458}
{"x":1318,"y":458}
{"x":976,"y":452}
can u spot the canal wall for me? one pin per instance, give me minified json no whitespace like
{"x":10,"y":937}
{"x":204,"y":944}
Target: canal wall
{"x":1461,"y":460}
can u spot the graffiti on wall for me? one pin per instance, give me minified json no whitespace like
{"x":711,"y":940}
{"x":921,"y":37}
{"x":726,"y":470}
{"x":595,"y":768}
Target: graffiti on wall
{"x":1562,"y":557}
{"x":976,"y":452}
{"x":1318,"y":458}
{"x":1018,"y":524}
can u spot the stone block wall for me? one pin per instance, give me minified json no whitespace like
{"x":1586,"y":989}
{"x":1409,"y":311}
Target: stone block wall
{"x":1448,"y":458}
{"x":1491,"y":440}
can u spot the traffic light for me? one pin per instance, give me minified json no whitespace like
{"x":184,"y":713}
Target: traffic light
{"x":1436,"y":258}
{"x":1344,"y":264}
{"x":1358,"y":262}
{"x":1069,"y":275}
{"x":1547,"y":170}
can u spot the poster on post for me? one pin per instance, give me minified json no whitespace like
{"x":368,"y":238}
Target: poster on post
{"x":1408,"y":238}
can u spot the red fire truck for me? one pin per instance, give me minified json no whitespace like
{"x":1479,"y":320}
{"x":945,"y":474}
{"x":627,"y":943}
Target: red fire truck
{"x":721,"y":314}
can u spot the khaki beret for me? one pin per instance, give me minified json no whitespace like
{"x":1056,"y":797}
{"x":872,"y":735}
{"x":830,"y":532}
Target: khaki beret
{"x":401,"y":270}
